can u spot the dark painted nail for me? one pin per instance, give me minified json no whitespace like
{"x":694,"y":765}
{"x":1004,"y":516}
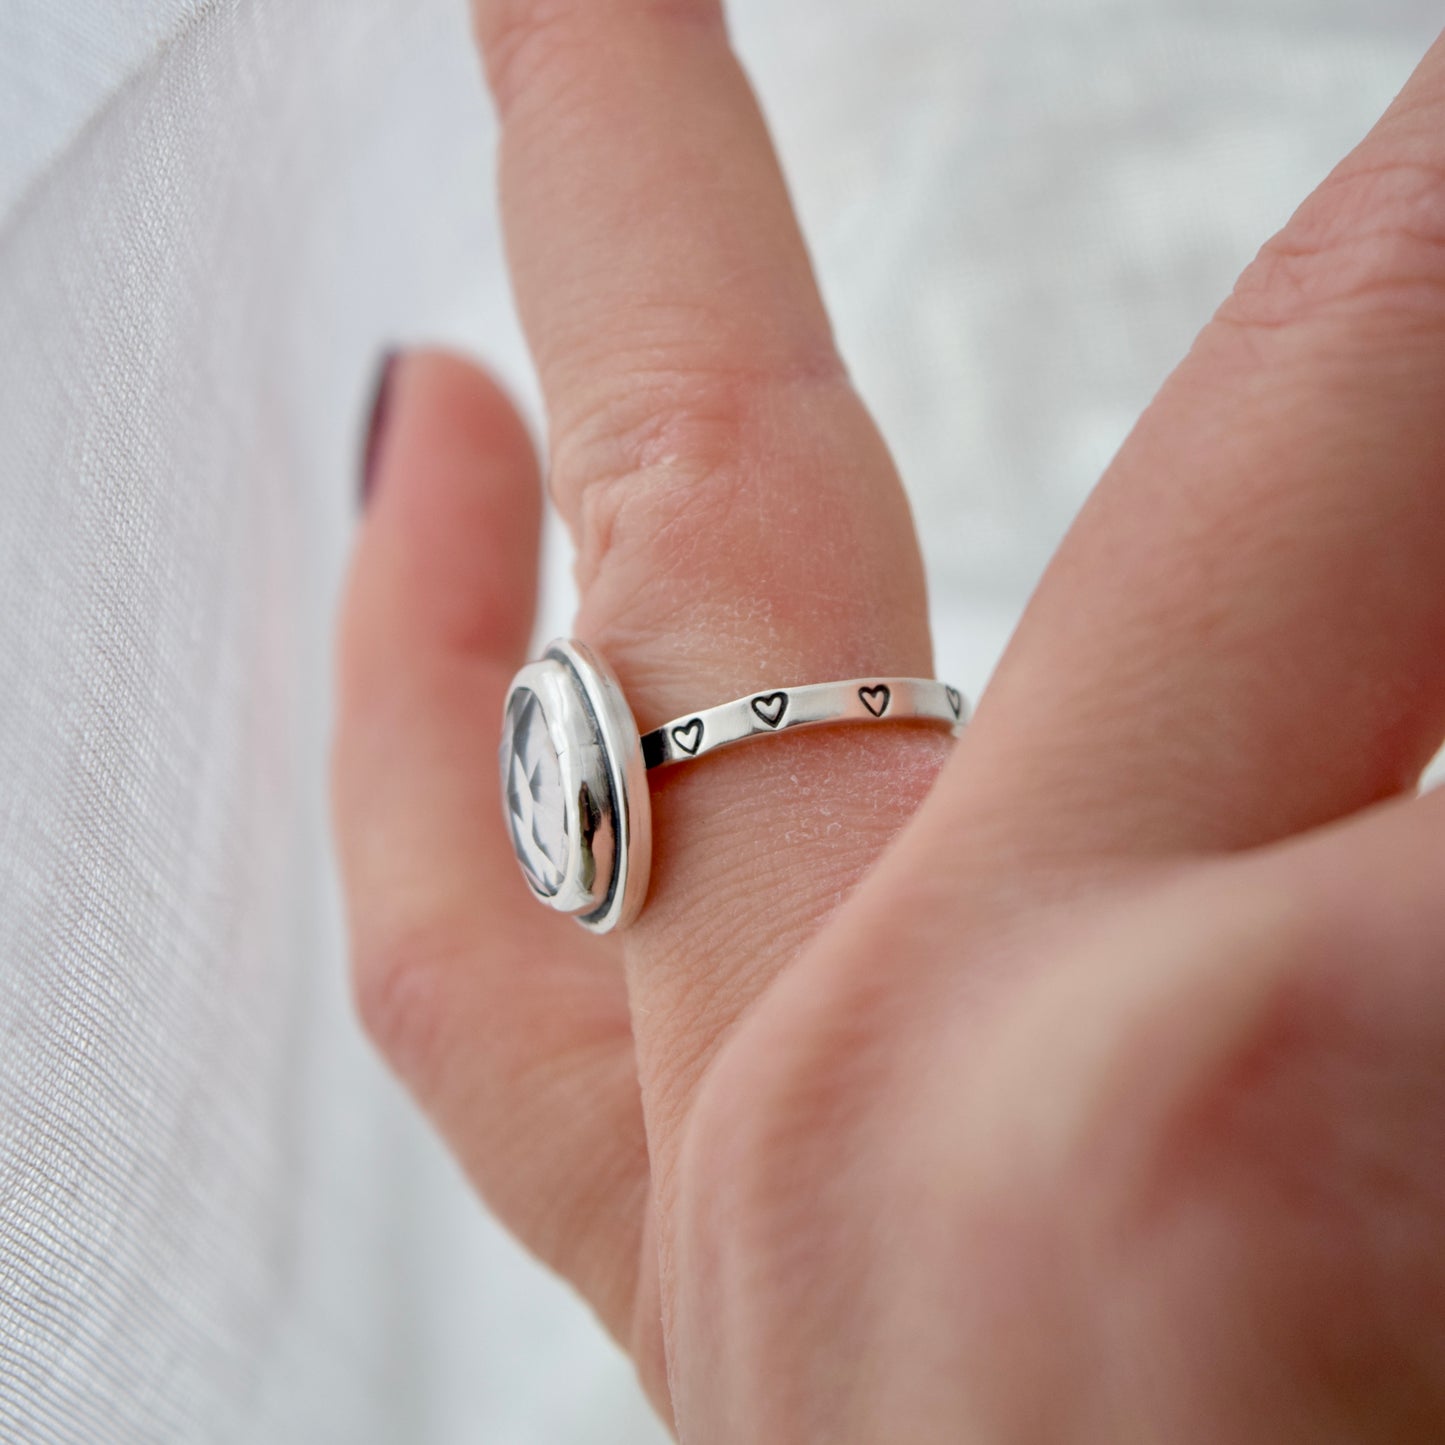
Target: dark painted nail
{"x":376,"y":425}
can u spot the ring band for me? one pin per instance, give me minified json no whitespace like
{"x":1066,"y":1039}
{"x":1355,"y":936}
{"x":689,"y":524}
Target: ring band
{"x":574,"y":769}
{"x":864,"y":699}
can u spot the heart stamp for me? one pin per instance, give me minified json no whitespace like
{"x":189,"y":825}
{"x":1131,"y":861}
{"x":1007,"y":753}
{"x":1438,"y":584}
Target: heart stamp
{"x":955,"y":700}
{"x":770,"y":707}
{"x":688,"y":736}
{"x":875,"y":699}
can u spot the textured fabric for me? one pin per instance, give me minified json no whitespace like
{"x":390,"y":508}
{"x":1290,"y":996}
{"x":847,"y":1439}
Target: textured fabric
{"x":218,"y":1219}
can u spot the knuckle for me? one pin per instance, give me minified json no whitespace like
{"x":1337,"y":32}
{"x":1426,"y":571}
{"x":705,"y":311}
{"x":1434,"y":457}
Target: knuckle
{"x":1288,"y":1177}
{"x":662,"y":457}
{"x":1370,"y":243}
{"x":1247,"y":1148}
{"x":1283,"y":1191}
{"x":1298,"y":1093}
{"x":537,"y":44}
{"x":1195,"y":1037}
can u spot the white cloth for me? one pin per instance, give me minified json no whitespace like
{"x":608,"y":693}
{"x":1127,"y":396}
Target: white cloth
{"x":219,"y":1220}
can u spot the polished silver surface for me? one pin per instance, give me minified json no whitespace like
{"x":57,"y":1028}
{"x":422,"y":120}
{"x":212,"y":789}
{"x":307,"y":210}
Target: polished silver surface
{"x":861,"y":700}
{"x":574,"y":789}
{"x":574,"y":770}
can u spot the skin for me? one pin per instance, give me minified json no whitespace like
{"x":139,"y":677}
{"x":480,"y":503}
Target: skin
{"x":1083,"y":1081}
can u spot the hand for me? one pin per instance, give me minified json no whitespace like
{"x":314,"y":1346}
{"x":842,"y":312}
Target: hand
{"x":1083,"y":1081}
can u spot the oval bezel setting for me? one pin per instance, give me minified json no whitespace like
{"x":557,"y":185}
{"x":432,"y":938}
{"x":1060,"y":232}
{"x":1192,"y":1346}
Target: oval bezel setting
{"x":603,"y":833}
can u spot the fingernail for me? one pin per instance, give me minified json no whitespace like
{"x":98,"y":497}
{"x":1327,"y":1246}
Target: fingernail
{"x":376,"y":425}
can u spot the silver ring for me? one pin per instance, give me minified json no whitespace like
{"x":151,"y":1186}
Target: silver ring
{"x":574,"y":769}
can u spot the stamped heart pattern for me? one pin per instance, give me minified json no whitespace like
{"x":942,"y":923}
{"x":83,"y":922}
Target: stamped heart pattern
{"x":955,"y":700}
{"x":688,"y":736}
{"x":771,"y":707}
{"x":875,"y":699}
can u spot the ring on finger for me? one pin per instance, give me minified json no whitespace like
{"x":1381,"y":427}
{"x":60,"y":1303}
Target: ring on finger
{"x":574,"y":768}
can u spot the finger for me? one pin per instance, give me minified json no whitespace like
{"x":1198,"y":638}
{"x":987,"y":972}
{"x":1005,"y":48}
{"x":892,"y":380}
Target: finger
{"x":1217,"y":1109}
{"x":1313,"y":1133}
{"x":738,"y":519}
{"x":1290,"y":1094}
{"x":507,"y":1022}
{"x":1241,"y":637}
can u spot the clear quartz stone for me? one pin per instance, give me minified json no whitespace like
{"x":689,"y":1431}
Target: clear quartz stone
{"x":532,"y":787}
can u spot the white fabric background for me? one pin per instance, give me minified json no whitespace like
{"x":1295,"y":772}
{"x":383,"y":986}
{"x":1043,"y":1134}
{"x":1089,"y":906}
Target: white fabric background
{"x":218,"y":1219}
